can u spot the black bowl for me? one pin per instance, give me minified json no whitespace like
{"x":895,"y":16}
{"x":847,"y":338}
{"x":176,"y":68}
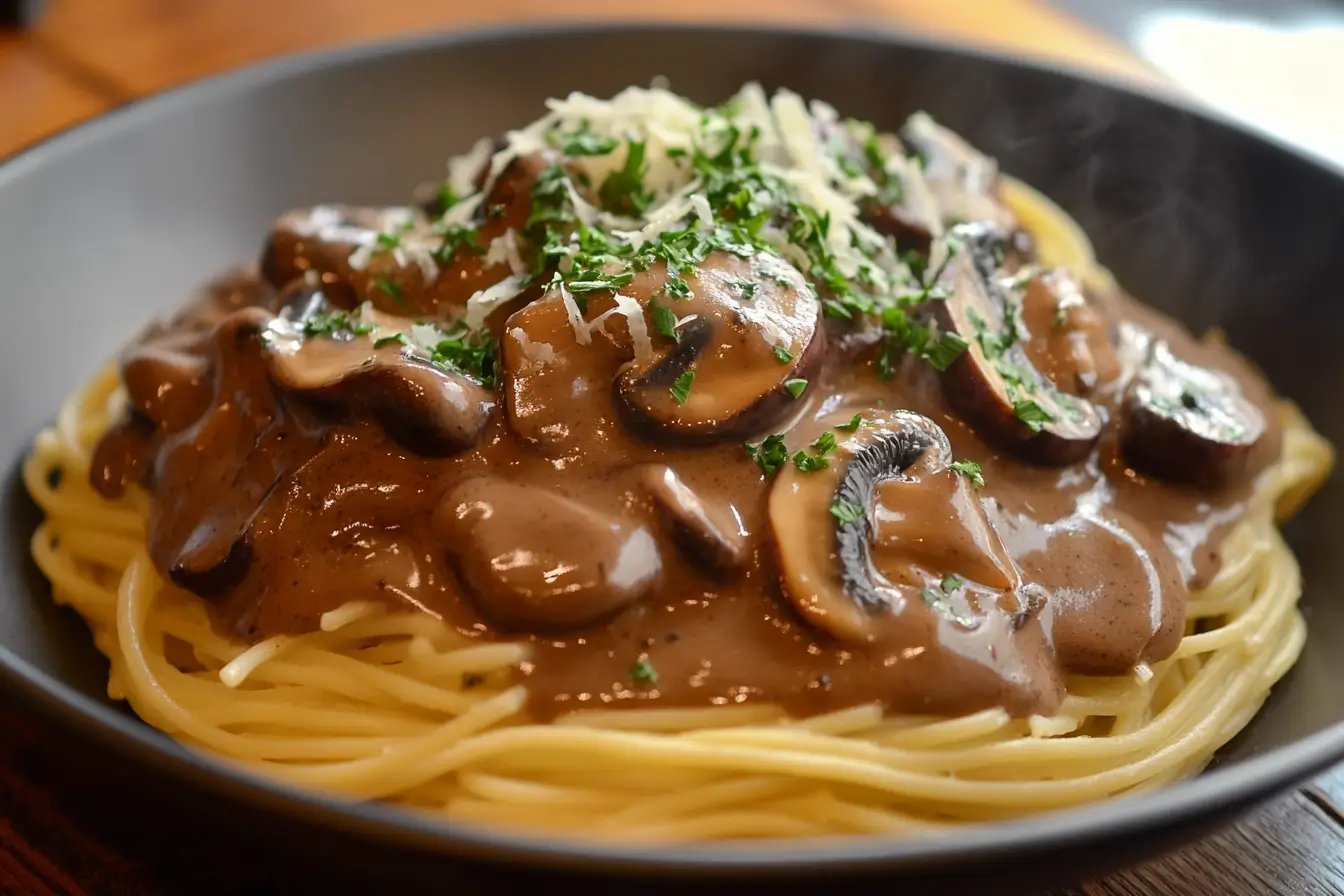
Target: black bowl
{"x":105,"y":225}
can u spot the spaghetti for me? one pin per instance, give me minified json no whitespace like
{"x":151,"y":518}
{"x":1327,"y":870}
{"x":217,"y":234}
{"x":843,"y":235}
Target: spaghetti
{"x":375,"y":703}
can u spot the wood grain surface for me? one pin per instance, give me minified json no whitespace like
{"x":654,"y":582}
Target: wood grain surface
{"x":86,"y":56}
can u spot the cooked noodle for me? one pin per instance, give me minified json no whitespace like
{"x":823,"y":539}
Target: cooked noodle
{"x":372,"y":705}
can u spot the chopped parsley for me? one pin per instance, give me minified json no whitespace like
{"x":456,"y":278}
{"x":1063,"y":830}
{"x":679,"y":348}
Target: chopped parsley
{"x":947,"y":349}
{"x":473,"y":352}
{"x":783,"y":355}
{"x":747,"y":288}
{"x":582,"y":142}
{"x":394,"y":339}
{"x":1032,"y":414}
{"x":623,"y":190}
{"x":795,"y":387}
{"x":810,"y":463}
{"x":969,"y":469}
{"x":681,"y":386}
{"x":939,"y":602}
{"x":390,"y":288}
{"x":678,"y":288}
{"x":455,"y":239}
{"x":854,"y":423}
{"x":328,"y":322}
{"x":664,"y":321}
{"x":770,"y":454}
{"x":643,"y":672}
{"x":951,"y":582}
{"x":846,"y":511}
{"x":446,"y":197}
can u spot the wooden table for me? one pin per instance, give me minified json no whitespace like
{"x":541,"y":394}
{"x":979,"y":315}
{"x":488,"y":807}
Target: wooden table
{"x":87,"y":56}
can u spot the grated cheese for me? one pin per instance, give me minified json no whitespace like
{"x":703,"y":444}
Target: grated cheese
{"x":639,"y":328}
{"x":536,"y":353}
{"x":581,"y":333}
{"x":482,"y":304}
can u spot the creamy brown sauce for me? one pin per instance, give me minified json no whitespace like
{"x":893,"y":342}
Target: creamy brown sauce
{"x":287,"y":482}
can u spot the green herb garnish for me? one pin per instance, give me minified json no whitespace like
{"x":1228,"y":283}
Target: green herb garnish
{"x":770,"y":454}
{"x":846,"y":511}
{"x":970,"y":469}
{"x":664,"y":321}
{"x":783,"y":355}
{"x":623,"y":190}
{"x":394,"y":339}
{"x":582,"y":142}
{"x":1032,"y":414}
{"x":947,"y":349}
{"x":681,"y":386}
{"x":795,"y":387}
{"x":810,"y":463}
{"x":643,"y":672}
{"x":951,"y":582}
{"x":390,"y":288}
{"x":854,"y":423}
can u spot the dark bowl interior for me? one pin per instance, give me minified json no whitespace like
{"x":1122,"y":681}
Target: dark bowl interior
{"x":107,"y":225}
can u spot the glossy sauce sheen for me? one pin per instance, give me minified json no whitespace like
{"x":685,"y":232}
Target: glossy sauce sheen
{"x":277,"y":509}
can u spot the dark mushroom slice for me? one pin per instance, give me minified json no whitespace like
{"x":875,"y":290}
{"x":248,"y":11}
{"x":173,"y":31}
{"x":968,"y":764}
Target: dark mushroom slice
{"x":230,"y":460}
{"x":1066,"y":336}
{"x":1187,"y":423}
{"x":710,"y":532}
{"x":850,"y":567}
{"x":122,"y":456}
{"x":540,"y":561}
{"x":747,"y":339}
{"x":993,"y":384}
{"x":963,"y":180}
{"x":429,"y":410}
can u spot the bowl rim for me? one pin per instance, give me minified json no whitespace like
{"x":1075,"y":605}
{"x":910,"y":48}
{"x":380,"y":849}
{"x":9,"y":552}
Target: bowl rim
{"x":1224,"y":788}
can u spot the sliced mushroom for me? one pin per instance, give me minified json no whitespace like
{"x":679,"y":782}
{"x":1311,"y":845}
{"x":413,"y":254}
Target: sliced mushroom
{"x":427,"y":409}
{"x":538,"y":560}
{"x":994,"y":384}
{"x":200,"y":532}
{"x":1065,"y":335}
{"x":750,"y":329}
{"x":710,"y":532}
{"x":1187,"y":423}
{"x":403,"y":262}
{"x":850,"y":566}
{"x":122,"y":455}
{"x":963,"y":180}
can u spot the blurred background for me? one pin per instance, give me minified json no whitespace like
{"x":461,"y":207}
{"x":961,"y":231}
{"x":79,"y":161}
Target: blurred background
{"x":1277,"y":65}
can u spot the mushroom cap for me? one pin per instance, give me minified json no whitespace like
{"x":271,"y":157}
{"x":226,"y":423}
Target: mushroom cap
{"x":756,"y":326}
{"x":540,"y":560}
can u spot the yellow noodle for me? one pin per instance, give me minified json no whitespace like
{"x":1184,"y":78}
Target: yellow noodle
{"x":374,"y":705}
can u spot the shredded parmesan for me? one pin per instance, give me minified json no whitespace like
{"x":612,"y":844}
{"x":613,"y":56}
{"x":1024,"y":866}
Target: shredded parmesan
{"x":639,"y":328}
{"x":482,"y":304}
{"x":581,"y":334}
{"x":464,"y":169}
{"x":536,"y":353}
